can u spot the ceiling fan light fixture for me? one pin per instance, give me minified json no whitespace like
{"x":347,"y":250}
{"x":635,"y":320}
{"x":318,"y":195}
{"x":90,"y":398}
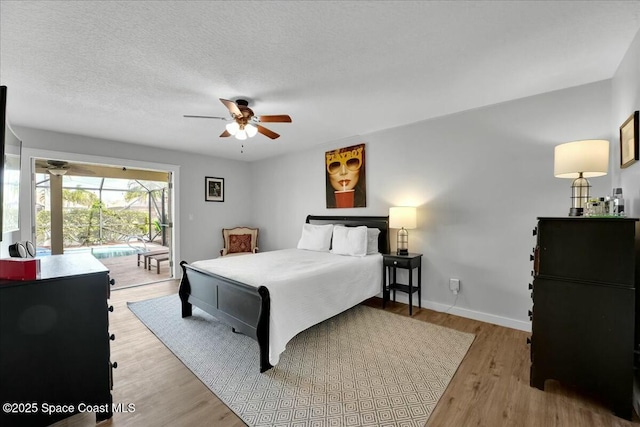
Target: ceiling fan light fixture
{"x":232,"y":127}
{"x":241,"y":134}
{"x":57,"y":172}
{"x":251,"y":130}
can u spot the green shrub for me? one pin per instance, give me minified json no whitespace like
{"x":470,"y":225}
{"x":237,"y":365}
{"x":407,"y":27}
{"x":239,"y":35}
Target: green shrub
{"x":81,"y":226}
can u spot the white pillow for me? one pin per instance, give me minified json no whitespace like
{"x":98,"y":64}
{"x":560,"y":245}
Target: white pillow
{"x":372,"y":240}
{"x":349,"y":240}
{"x":316,"y":237}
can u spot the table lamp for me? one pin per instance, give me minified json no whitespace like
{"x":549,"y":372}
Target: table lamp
{"x":581,"y":160}
{"x":402,"y":217}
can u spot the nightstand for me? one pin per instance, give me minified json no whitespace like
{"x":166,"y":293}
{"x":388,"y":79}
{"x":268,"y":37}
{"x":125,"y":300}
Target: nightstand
{"x":390,"y":264}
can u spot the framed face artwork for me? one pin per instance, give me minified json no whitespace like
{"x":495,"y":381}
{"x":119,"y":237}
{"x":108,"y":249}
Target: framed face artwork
{"x":345,"y":177}
{"x":214,"y":189}
{"x":629,"y":150}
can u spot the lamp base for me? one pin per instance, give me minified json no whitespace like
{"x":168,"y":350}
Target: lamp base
{"x":402,"y":252}
{"x":576,"y":212}
{"x":579,"y":195}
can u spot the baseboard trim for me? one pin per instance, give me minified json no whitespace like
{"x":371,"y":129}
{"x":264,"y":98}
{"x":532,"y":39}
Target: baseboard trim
{"x":471,"y":314}
{"x":478,"y":315}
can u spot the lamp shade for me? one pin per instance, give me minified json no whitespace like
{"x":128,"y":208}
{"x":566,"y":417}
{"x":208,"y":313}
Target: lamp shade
{"x":232,"y":128}
{"x":402,"y":217}
{"x":589,"y":158}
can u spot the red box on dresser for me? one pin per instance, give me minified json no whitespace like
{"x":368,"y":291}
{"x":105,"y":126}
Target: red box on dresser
{"x":20,"y":268}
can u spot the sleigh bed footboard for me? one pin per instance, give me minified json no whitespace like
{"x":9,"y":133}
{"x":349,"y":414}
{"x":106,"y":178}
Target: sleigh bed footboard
{"x":243,"y":307}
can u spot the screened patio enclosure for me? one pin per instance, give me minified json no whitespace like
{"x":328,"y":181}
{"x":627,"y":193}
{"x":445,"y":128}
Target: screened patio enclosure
{"x":98,"y":206}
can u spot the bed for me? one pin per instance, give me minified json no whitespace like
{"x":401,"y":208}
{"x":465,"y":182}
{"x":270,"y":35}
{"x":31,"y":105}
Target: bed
{"x":302,"y":288}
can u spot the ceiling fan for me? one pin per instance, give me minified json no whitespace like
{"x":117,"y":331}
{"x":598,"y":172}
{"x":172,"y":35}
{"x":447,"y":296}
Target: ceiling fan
{"x":244,"y":123}
{"x":61,"y":167}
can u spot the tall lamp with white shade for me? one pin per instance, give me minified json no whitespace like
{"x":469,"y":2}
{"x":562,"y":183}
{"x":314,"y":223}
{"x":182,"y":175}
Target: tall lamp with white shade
{"x":581,"y":160}
{"x":403,"y":218}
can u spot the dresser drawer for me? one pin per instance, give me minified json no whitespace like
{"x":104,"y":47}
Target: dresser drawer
{"x":588,"y":249}
{"x":400,"y":262}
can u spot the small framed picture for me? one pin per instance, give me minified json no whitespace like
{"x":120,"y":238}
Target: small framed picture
{"x":214,"y":189}
{"x":629,"y":152}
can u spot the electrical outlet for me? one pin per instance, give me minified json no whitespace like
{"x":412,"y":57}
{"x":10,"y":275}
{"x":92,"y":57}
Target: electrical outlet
{"x":454,"y":285}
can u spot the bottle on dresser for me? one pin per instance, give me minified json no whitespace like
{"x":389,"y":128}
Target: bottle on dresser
{"x":618,"y":202}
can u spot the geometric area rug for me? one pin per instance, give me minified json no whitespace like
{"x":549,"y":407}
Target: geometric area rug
{"x":363,"y":367}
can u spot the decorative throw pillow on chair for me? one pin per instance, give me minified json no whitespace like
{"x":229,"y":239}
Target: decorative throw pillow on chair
{"x":239,"y":243}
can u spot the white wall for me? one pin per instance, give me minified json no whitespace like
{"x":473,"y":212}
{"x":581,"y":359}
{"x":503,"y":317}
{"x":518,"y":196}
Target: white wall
{"x":199,"y":222}
{"x":626,"y":100}
{"x":480,"y":178}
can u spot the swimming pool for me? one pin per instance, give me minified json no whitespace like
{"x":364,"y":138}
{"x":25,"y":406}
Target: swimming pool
{"x":99,"y":252}
{"x":113,"y":251}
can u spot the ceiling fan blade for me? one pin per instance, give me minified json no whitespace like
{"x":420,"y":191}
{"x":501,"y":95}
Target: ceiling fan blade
{"x":281,"y":118}
{"x":80,"y":170}
{"x":205,"y":117}
{"x":233,"y":108}
{"x":224,"y":134}
{"x":266,"y":132}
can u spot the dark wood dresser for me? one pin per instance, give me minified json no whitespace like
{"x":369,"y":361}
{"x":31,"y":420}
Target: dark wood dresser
{"x":585,"y":314}
{"x":54,"y":343}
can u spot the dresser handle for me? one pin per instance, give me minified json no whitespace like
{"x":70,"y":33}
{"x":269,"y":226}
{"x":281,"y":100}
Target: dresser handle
{"x":110,"y":308}
{"x":114,"y":365}
{"x":531,"y":257}
{"x":395,"y":262}
{"x":530,"y":286}
{"x":112,"y":282}
{"x":535,"y":231}
{"x":112,"y":337}
{"x":528,"y":340}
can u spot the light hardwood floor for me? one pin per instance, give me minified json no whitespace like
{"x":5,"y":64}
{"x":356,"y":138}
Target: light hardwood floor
{"x":491,"y":387}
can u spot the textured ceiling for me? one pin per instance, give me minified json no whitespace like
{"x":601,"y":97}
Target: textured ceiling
{"x":130,"y":70}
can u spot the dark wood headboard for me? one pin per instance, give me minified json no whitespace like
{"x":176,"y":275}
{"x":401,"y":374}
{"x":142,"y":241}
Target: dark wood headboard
{"x":379,"y":222}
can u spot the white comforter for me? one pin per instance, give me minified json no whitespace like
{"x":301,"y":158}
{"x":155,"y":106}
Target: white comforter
{"x":305,"y":287}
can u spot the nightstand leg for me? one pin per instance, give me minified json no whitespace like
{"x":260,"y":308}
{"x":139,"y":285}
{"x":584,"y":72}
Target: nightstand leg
{"x":385,"y":294}
{"x":394,"y":281}
{"x":420,"y":286}
{"x":410,"y":292}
